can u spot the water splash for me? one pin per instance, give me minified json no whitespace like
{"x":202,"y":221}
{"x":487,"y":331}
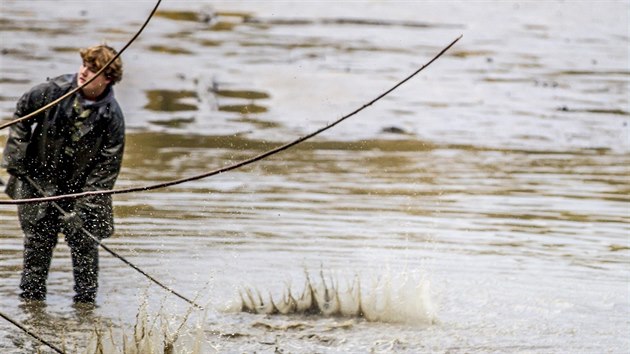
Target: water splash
{"x":404,"y":298}
{"x":151,"y":334}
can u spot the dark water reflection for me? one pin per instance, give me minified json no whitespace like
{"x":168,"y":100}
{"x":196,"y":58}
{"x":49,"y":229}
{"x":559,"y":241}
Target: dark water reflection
{"x":501,"y":174}
{"x":169,"y":101}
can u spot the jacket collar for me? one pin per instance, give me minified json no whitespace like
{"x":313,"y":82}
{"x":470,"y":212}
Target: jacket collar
{"x":69,"y":82}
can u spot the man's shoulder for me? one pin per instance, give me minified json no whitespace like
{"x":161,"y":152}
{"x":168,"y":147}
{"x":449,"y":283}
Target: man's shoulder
{"x":113,"y":115}
{"x":62,"y":81}
{"x":53,"y":84}
{"x":112,"y":109}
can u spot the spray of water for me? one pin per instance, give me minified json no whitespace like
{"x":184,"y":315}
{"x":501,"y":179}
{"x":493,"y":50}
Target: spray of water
{"x":401,"y":298}
{"x":404,"y":298}
{"x":159,"y":334}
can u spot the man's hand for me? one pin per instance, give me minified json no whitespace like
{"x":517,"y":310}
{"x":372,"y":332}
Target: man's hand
{"x":72,"y":220}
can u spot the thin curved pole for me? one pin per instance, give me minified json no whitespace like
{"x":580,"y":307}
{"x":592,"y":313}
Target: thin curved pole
{"x":233,"y":166}
{"x":31,"y":333}
{"x":55,"y":102}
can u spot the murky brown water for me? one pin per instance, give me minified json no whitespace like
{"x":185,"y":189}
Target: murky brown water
{"x":500,"y":176}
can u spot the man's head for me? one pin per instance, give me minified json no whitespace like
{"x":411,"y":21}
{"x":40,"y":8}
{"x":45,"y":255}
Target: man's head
{"x":94,"y":58}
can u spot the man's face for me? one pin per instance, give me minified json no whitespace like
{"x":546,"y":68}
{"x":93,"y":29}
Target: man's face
{"x":94,"y":88}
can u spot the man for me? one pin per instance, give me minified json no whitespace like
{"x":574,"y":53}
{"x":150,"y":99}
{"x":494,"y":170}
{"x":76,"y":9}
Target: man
{"x":75,"y":146}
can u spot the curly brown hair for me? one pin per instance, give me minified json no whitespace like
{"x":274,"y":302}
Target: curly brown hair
{"x":97,"y":56}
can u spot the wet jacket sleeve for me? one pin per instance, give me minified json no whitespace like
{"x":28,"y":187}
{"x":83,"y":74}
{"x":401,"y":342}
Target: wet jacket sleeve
{"x":14,"y":157}
{"x":105,"y":172}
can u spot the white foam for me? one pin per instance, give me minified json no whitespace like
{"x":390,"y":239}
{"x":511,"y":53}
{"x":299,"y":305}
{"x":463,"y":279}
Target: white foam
{"x":401,"y":298}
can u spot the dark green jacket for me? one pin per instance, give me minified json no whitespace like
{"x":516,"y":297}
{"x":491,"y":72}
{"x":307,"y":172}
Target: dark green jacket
{"x":75,"y":146}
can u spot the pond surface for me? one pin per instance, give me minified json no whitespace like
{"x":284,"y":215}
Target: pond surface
{"x":488,"y":197}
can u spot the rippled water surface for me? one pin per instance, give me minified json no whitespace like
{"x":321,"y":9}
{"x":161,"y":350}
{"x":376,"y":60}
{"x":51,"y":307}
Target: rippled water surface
{"x":498,"y":179}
